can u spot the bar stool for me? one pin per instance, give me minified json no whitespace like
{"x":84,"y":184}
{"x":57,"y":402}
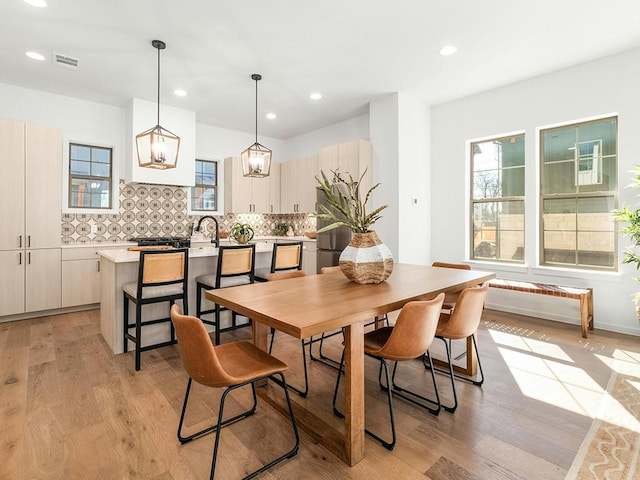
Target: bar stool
{"x":285,"y":256}
{"x":162,"y":277}
{"x":408,"y":339}
{"x":230,"y":366}
{"x":236,"y":266}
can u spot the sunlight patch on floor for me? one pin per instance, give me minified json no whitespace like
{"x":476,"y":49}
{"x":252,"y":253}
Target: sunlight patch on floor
{"x":555,"y":383}
{"x":529,"y":344}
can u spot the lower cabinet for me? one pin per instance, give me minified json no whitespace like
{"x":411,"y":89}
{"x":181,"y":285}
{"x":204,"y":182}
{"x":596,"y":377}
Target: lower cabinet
{"x":30,"y":280}
{"x":81,"y":275}
{"x":309,"y":261}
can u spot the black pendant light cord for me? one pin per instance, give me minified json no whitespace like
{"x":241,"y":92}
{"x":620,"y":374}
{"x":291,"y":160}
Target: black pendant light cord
{"x":257,"y":78}
{"x":158,"y":122}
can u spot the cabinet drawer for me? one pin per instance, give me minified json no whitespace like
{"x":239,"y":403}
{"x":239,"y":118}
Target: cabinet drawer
{"x":86,"y":253}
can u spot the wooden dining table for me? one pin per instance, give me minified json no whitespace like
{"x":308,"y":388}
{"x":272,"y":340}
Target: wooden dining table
{"x":313,"y":304}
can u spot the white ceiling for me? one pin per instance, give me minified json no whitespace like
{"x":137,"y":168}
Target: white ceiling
{"x":353,"y":51}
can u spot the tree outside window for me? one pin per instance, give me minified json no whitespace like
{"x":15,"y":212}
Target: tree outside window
{"x":497,"y":202}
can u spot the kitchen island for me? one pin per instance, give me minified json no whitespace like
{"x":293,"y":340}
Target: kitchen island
{"x":120,"y":266}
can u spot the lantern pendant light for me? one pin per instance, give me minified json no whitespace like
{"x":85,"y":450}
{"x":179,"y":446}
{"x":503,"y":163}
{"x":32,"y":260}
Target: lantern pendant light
{"x":256,"y":160}
{"x":157,"y":147}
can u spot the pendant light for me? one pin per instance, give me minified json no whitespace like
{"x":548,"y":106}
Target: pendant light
{"x":158,"y":148}
{"x":256,"y":160}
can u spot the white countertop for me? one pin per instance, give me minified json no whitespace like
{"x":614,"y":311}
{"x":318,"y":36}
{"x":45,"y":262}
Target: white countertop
{"x":122,"y":255}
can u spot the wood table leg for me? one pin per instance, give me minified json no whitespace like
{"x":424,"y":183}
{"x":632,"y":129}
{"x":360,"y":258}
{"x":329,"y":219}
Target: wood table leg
{"x":354,"y":393}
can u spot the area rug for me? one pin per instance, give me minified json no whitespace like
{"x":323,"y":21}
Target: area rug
{"x":611,"y":449}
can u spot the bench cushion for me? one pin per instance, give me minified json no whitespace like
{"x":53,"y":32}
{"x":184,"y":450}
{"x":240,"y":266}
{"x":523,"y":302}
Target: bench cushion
{"x":540,"y":288}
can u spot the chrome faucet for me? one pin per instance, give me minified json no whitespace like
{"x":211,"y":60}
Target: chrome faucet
{"x":216,"y":242}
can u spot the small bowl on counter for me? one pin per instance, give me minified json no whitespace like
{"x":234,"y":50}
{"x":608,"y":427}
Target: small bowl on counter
{"x":311,"y":235}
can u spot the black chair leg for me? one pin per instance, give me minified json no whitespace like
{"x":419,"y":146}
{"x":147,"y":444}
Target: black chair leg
{"x":302,"y":392}
{"x":450,"y":409}
{"x":125,"y":345}
{"x":138,"y":333}
{"x":413,"y":397}
{"x":217,"y":428}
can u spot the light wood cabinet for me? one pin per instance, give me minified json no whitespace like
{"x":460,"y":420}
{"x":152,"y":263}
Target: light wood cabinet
{"x":30,"y":203}
{"x":12,"y":274}
{"x":246,"y":194}
{"x":298,"y":185}
{"x":309,"y":258}
{"x":42,"y":279}
{"x":353,"y":157}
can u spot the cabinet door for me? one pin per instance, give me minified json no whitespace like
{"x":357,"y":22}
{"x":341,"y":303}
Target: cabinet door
{"x":260,"y":194}
{"x":348,"y":158}
{"x":237,"y":188}
{"x":43,"y":279}
{"x":328,"y":160}
{"x":43,"y":192}
{"x":309,"y":260}
{"x":308,"y":196}
{"x":274,"y":188}
{"x":12,"y":233}
{"x":288,"y":193}
{"x":80,"y":282}
{"x":12,"y":263}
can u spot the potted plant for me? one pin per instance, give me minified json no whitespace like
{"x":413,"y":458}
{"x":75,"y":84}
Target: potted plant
{"x":241,"y":232}
{"x":366,"y":259}
{"x":631,"y":217}
{"x":280,"y":229}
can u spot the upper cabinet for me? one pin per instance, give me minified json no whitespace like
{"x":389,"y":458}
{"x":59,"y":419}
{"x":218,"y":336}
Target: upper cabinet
{"x":250,"y":194}
{"x":298,"y":185}
{"x":353,"y":157}
{"x":31,"y":190}
{"x":141,"y":116}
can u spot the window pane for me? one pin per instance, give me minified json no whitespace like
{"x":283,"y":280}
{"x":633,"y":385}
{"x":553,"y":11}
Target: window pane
{"x":203,"y":195}
{"x":100,"y":170}
{"x":498,"y":231}
{"x":89,"y":176}
{"x":578,"y":229}
{"x":80,"y":152}
{"x":80,"y":168}
{"x":499,"y":175}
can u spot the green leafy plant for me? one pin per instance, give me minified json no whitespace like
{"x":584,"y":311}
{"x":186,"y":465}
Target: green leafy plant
{"x":348,"y":207}
{"x":241,"y":232}
{"x":280,"y":229}
{"x":631,"y":217}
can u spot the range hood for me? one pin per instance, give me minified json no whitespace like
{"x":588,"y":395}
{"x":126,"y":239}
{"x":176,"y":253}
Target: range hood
{"x":141,"y":115}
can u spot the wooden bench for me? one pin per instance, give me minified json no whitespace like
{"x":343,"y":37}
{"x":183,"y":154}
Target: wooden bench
{"x":584,"y":295}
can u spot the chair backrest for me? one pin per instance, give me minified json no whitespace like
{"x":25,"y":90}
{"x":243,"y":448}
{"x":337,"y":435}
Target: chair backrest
{"x":461,"y":266}
{"x":286,"y":256}
{"x":236,"y":260}
{"x":198,"y":354}
{"x":465,"y":318}
{"x":413,"y":331}
{"x":284,"y":275}
{"x":330,"y":269}
{"x":163,"y":267}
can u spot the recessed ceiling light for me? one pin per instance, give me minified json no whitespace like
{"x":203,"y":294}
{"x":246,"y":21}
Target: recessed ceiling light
{"x":36,"y":3}
{"x":179,"y":92}
{"x":271,"y":116}
{"x":315,"y":96}
{"x":448,"y":50}
{"x":35,"y":56}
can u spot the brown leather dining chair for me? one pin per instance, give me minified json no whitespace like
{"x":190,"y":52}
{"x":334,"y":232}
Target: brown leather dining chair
{"x":462,"y":323}
{"x":407,"y":340}
{"x":229,"y":366}
{"x":450,"y":298}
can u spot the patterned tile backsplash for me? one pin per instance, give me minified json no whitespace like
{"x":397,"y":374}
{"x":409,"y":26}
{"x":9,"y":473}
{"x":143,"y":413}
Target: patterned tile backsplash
{"x":152,"y":211}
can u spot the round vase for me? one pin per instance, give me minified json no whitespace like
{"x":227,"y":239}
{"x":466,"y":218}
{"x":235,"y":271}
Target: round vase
{"x":366,"y":259}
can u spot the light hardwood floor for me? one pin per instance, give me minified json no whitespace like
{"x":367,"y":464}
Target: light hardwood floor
{"x":69,"y":409}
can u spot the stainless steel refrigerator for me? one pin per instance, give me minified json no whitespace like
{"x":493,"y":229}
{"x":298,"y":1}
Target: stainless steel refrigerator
{"x":329,"y":244}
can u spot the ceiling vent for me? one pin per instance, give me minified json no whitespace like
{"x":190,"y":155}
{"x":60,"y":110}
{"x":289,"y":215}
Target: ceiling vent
{"x":65,"y":61}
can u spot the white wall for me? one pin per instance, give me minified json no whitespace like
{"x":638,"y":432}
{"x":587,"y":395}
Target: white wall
{"x":601,"y":87}
{"x":311,"y":143}
{"x":385,"y":151}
